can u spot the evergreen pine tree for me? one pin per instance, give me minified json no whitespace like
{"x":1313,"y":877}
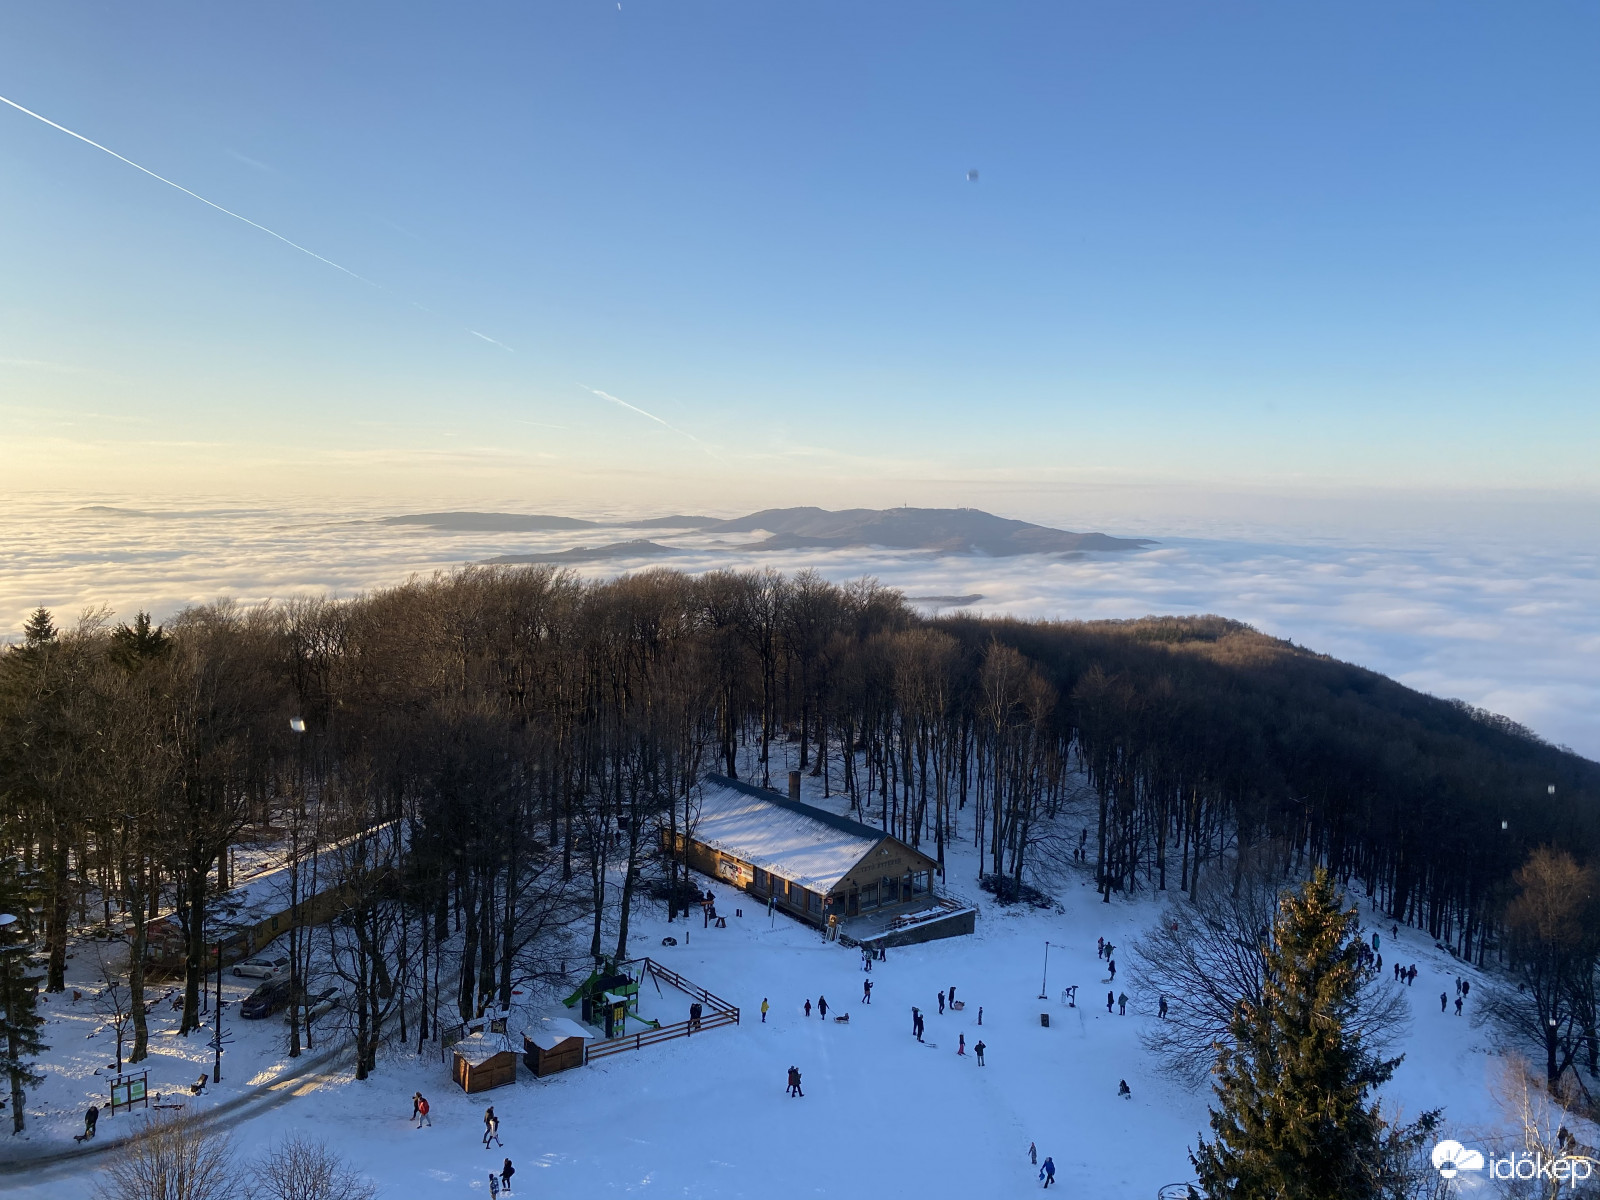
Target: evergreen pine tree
{"x":141,"y":642}
{"x":38,"y":628}
{"x":1293,"y":1119}
{"x":20,"y":1022}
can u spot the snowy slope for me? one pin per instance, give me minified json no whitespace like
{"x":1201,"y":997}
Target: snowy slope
{"x":882,"y":1114}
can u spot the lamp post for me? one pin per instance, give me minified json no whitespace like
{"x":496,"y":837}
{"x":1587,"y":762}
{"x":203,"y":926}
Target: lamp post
{"x":1044,"y":990}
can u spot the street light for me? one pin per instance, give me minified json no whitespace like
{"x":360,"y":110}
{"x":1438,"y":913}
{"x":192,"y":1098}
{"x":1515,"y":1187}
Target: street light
{"x":1044,"y":990}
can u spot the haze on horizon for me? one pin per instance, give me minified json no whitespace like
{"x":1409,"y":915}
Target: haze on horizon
{"x":714,"y":257}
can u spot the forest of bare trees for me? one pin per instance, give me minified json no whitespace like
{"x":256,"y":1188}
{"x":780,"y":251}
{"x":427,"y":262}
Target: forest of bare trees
{"x":483,"y":763}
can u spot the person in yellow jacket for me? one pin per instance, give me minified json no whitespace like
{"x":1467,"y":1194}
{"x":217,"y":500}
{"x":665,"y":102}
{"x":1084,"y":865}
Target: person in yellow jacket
{"x":763,"y":1010}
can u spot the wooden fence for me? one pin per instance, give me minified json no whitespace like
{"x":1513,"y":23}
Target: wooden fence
{"x":721,"y":1013}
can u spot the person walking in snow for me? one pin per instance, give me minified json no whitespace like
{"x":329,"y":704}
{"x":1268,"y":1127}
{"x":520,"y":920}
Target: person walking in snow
{"x":1123,"y":1090}
{"x":1375,"y":941}
{"x":1466,"y":988}
{"x":822,"y":1007}
{"x":808,"y":1006}
{"x":866,"y":991}
{"x":1113,"y":970}
{"x":1458,"y":1006}
{"x":764,"y":1010}
{"x":1033,"y":1154}
{"x":798,"y":1093}
{"x":950,"y":993}
{"x":1411,"y":975}
{"x":91,"y":1118}
{"x":494,"y":1185}
{"x":1111,"y":999}
{"x":1100,"y":949}
{"x":941,"y":1004}
{"x":1048,"y":1171}
{"x":416,"y":1102}
{"x":491,"y":1127}
{"x":917,"y":1026}
{"x":977,"y":1049}
{"x":1122,"y":1005}
{"x":1161,"y":1009}
{"x":961,"y":1045}
{"x":506,"y":1172}
{"x":980,"y":1014}
{"x":422,"y":1112}
{"x":1443,"y":998}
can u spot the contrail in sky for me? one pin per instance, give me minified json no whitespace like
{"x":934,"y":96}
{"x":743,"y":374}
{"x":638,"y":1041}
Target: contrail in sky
{"x":651,"y":417}
{"x":187,"y":192}
{"x":225,"y":211}
{"x":490,"y":340}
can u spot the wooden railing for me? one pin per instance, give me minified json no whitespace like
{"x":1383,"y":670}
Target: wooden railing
{"x":722,"y":1013}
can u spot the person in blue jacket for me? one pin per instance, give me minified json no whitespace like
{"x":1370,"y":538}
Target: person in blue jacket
{"x":1048,"y":1171}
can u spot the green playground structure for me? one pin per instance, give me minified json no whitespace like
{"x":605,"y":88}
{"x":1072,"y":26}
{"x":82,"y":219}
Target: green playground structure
{"x":617,"y":983}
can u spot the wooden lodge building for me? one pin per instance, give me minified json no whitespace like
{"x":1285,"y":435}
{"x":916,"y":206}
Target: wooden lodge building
{"x":815,"y":865}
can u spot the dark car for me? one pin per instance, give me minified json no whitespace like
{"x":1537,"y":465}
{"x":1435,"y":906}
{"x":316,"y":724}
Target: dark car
{"x":265,"y":1000}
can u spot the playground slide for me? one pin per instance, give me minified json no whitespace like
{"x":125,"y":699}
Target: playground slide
{"x":583,"y":990}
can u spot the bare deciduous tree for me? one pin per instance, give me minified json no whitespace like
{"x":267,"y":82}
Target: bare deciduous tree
{"x":299,"y":1168}
{"x":176,"y":1157}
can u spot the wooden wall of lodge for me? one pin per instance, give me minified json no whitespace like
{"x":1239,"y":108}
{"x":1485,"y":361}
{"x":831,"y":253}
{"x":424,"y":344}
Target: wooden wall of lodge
{"x":890,"y":858}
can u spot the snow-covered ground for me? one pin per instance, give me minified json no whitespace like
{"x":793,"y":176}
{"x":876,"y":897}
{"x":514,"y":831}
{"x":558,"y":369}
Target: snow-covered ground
{"x":708,"y":1116}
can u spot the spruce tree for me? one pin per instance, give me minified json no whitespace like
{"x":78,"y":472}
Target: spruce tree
{"x":139,"y":643}
{"x":38,"y":629}
{"x":20,"y":1022}
{"x":1293,"y":1119}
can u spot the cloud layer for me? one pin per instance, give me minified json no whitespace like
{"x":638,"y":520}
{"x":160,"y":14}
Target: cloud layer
{"x":1504,"y":626}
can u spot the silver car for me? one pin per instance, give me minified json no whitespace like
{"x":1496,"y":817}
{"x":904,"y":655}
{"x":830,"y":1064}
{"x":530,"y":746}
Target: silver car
{"x":263,"y":966}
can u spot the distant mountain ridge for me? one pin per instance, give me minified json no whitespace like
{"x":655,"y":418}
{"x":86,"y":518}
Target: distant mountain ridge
{"x":942,"y":530}
{"x":490,"y":522}
{"x":933,"y":530}
{"x":635,"y":549}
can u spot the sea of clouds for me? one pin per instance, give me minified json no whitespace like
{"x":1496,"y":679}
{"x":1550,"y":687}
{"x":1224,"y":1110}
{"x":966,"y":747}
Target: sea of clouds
{"x":1511,"y":624}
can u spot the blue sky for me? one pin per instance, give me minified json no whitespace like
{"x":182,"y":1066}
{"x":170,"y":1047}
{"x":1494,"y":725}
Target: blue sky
{"x":1210,"y":247}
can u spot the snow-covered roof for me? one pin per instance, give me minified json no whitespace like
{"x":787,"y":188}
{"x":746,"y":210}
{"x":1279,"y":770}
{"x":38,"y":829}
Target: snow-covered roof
{"x":555,"y":1030}
{"x":481,"y":1047}
{"x":806,"y":845}
{"x":269,"y":893}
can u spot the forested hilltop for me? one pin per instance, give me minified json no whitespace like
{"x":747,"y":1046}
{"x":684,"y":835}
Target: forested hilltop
{"x":530,"y":734}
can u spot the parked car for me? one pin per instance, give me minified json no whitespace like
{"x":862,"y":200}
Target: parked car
{"x":320,"y":1004}
{"x":263,"y":966}
{"x":265,"y":1000}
